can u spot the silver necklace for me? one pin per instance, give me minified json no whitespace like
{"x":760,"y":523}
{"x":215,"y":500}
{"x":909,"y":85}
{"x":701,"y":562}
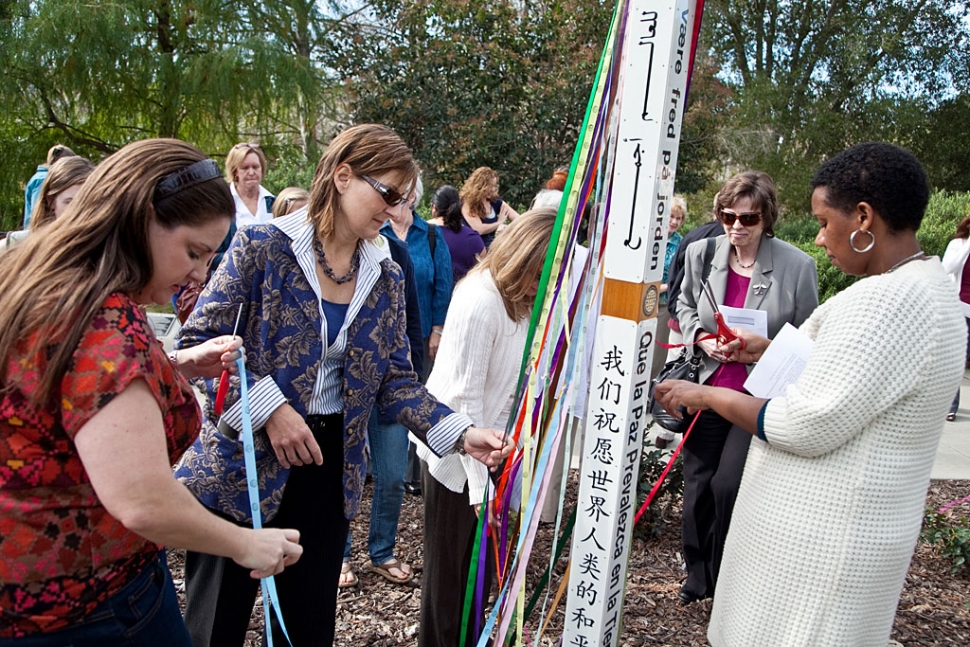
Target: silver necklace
{"x":916,"y":256}
{"x":740,"y":264}
{"x":339,"y":280}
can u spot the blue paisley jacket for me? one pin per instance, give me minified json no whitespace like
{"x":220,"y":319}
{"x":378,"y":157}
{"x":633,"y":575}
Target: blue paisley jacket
{"x":269,"y":269}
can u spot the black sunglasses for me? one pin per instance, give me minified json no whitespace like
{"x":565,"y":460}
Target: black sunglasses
{"x":749,"y":219}
{"x":391,"y":197}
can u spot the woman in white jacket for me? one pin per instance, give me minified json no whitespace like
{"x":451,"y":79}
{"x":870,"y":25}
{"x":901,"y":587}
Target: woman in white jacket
{"x":955,"y":263}
{"x":475,"y":372}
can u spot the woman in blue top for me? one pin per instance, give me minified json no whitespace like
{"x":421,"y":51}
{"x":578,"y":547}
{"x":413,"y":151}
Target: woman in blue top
{"x":432,"y":269}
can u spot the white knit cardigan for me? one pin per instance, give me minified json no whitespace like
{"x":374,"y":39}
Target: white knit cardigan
{"x":475,"y":373}
{"x":830,"y":507}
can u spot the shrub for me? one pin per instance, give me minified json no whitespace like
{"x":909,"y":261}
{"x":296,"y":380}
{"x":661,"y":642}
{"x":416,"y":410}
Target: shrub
{"x":951,"y":535}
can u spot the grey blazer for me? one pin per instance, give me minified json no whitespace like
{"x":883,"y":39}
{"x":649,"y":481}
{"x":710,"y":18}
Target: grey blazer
{"x":784,"y":284}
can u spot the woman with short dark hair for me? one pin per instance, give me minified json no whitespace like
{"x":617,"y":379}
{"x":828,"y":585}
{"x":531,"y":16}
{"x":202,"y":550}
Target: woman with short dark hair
{"x":831,"y":503}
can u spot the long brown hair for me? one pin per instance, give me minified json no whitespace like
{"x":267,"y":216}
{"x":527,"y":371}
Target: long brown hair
{"x":55,"y":283}
{"x":477,"y":189}
{"x":516,"y":257}
{"x":64,"y":173}
{"x":369,"y":149}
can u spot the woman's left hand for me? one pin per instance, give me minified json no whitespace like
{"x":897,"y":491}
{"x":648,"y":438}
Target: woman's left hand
{"x":433,"y":342}
{"x":211,"y":357}
{"x":487,"y":446}
{"x":674,"y":394}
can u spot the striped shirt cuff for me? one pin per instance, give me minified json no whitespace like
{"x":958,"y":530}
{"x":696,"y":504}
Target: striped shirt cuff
{"x":264,"y":398}
{"x":443,"y":436}
{"x":761,"y":421}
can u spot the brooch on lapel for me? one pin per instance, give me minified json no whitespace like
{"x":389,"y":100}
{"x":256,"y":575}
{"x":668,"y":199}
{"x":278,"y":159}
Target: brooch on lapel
{"x":760,"y":289}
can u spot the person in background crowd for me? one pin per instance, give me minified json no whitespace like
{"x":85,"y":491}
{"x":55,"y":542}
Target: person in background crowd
{"x":290,"y":199}
{"x":482,"y":208}
{"x":678,"y":211}
{"x":245,"y":169}
{"x":323,"y":321}
{"x":433,"y":274}
{"x":831,"y":504}
{"x":55,"y":153}
{"x":749,"y":268}
{"x":63,"y":181}
{"x":93,"y":413}
{"x":464,"y":243}
{"x":476,"y":373}
{"x":955,"y":264}
{"x":389,"y":446}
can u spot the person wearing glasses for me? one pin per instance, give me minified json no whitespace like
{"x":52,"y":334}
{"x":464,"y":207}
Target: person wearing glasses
{"x":93,"y":413}
{"x":245,"y":168}
{"x":749,"y":268}
{"x":324,"y":327}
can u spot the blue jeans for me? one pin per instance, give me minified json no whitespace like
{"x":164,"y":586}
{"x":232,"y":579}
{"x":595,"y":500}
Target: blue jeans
{"x":389,"y":458}
{"x":145,"y":613}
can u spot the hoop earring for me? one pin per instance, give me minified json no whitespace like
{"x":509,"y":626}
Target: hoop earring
{"x":868,"y":247}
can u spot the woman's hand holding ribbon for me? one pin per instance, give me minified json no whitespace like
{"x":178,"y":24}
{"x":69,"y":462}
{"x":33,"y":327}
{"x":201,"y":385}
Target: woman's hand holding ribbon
{"x":268,"y":551}
{"x":747,"y":348}
{"x":673,"y":394}
{"x":488,"y":446}
{"x":211,"y":357}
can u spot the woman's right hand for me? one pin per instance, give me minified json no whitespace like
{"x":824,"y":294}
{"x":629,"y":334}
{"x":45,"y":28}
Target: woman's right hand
{"x":269,"y":551}
{"x":291,"y":439}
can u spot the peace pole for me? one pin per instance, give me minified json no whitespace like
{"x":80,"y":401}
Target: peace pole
{"x":654,"y":72}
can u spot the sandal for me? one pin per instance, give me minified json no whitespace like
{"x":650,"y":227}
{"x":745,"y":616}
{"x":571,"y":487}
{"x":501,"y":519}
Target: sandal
{"x":951,"y":416}
{"x":384,"y":570}
{"x":348,"y":578}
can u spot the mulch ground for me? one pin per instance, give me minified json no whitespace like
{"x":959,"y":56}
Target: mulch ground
{"x":934,"y":608}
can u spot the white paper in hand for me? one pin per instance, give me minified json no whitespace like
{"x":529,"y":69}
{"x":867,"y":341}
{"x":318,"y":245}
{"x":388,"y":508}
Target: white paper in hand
{"x":781,"y":364}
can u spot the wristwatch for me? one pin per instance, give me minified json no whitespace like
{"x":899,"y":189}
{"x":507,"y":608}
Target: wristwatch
{"x":460,"y":444}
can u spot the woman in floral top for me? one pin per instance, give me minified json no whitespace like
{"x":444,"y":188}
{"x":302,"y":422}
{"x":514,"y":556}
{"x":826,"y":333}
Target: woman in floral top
{"x":93,"y":413}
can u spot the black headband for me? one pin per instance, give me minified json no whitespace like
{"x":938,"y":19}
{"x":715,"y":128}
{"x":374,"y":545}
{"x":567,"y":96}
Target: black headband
{"x":189,"y":176}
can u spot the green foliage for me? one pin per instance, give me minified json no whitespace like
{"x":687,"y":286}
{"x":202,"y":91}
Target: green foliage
{"x":950,"y":535}
{"x":804,"y":90}
{"x":471,"y":84}
{"x":97,"y":75}
{"x":657,"y":515}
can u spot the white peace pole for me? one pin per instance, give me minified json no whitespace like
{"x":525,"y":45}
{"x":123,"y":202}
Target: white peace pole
{"x":654,"y":69}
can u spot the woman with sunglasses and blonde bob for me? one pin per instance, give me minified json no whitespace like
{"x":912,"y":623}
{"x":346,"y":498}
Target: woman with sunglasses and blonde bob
{"x":245,"y":169}
{"x":93,"y":413}
{"x":749,"y":268}
{"x":324,"y":327}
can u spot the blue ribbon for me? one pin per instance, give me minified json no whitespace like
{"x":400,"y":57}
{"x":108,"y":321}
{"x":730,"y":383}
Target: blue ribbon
{"x":268,"y":584}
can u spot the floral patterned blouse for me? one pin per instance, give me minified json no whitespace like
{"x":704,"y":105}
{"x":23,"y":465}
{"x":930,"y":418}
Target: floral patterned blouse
{"x":61,"y":553}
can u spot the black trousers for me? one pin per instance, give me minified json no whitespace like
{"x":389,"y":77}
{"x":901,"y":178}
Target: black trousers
{"x":449,"y":536}
{"x":714,"y":457}
{"x":220,"y":594}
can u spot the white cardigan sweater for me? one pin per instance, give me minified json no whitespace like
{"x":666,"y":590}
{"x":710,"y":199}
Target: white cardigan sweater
{"x":954,"y":258}
{"x":830,"y":506}
{"x":475,"y":373}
